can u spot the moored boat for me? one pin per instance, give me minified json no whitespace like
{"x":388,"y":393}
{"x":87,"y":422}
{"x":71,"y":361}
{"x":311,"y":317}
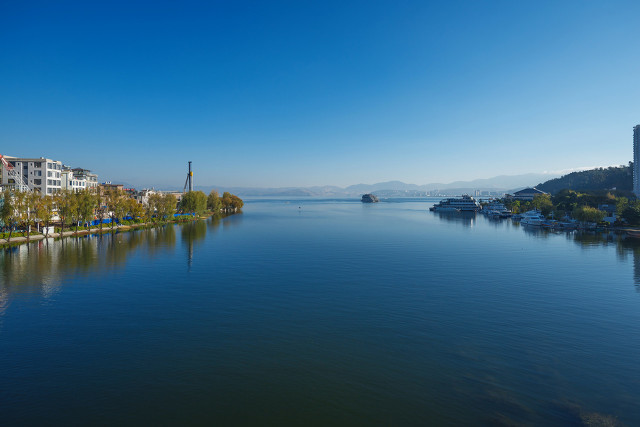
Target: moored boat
{"x":496,"y":210}
{"x":465,"y":203}
{"x":533,"y":218}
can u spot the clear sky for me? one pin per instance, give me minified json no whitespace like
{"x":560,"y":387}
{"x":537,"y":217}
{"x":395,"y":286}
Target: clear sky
{"x":304,"y":93}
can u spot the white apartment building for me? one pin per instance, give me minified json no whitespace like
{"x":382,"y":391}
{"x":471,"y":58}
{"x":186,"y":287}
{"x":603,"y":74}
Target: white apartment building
{"x":41,"y":175}
{"x":71,"y":182}
{"x":142,"y":196}
{"x":87,"y":176}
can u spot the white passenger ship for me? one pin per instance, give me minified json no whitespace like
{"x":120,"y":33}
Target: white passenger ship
{"x":465,"y":203}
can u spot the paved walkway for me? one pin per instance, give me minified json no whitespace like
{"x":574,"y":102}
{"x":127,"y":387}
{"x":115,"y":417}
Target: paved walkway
{"x":36,"y":237}
{"x":106,"y":229}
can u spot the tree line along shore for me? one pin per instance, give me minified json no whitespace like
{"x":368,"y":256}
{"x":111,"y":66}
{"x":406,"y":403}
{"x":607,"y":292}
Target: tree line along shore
{"x":30,"y":215}
{"x":584,"y":206}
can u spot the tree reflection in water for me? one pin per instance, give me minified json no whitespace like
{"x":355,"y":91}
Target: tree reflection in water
{"x":192,"y":232}
{"x":41,"y":267}
{"x":625,"y":245}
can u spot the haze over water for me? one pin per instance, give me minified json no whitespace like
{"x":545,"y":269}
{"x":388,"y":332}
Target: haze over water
{"x":325,"y":312}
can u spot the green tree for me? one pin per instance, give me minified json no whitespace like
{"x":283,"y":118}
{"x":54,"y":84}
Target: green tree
{"x":34,"y":206}
{"x":213,"y":202}
{"x":588,"y":214}
{"x":153,"y":206}
{"x":120,"y":206}
{"x":236,"y":202}
{"x":65,"y":203}
{"x":622,"y":203}
{"x":27,"y":213}
{"x":85,"y":207}
{"x":231,"y":202}
{"x":45,"y":211}
{"x":135,"y":209}
{"x":22,"y":208}
{"x":167,"y":206}
{"x":226,"y":201}
{"x":193,"y":202}
{"x":8,"y":211}
{"x":116,"y":203}
{"x":101,"y":207}
{"x":631,"y":213}
{"x":542,"y":202}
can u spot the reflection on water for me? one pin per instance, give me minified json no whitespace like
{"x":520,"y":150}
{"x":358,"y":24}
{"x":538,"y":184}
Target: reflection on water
{"x":467,"y":219}
{"x":431,"y":319}
{"x":192,"y":233}
{"x":625,"y":246}
{"x":39,"y":267}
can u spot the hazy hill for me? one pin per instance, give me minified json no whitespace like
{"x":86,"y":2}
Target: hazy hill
{"x":618,"y":177}
{"x":389,"y":188}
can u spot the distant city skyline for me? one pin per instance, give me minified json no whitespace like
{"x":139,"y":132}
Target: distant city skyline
{"x":286,"y":94}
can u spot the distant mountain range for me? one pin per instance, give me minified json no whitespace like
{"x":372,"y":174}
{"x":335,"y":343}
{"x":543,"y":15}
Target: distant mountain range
{"x":502,"y":183}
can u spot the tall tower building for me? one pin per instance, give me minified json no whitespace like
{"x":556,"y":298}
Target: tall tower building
{"x":636,"y":160}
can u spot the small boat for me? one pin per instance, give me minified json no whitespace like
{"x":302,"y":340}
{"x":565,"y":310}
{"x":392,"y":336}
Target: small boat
{"x":533,"y":218}
{"x":496,"y":210}
{"x":634,"y":234}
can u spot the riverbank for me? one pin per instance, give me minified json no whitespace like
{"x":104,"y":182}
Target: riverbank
{"x":106,"y":229}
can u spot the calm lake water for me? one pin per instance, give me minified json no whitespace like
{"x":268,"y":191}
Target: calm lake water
{"x":322,"y":312}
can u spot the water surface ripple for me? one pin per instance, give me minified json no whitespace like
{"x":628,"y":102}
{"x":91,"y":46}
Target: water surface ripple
{"x":323,"y":312}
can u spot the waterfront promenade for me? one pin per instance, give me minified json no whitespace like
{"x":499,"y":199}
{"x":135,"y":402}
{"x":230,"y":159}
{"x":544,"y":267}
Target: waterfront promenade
{"x":94,"y":230}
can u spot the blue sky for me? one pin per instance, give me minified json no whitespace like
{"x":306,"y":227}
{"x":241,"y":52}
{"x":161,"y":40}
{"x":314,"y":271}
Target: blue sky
{"x":319,"y":93}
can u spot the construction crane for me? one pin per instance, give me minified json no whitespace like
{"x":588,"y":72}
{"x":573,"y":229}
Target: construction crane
{"x":189,"y":181}
{"x":16,"y":175}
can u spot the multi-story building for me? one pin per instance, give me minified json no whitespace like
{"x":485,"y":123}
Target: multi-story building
{"x":86,"y":175}
{"x":41,"y":175}
{"x":72,"y":182}
{"x":636,"y":160}
{"x":142,"y":196}
{"x":108,"y":187}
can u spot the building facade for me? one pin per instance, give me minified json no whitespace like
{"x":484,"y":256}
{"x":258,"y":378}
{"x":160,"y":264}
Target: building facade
{"x":72,"y":182}
{"x":41,"y":175}
{"x":86,"y":175}
{"x":142,"y":196}
{"x":636,"y":160}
